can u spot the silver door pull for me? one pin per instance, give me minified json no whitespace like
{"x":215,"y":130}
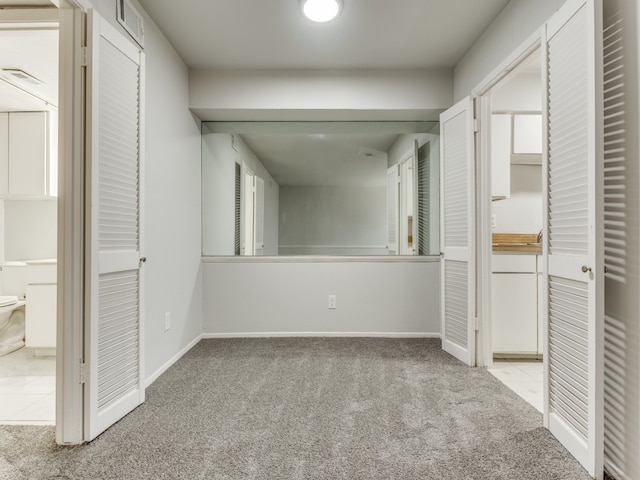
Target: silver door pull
{"x":586,"y":269}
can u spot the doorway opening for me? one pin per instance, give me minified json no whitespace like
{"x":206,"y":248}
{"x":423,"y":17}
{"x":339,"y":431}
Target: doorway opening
{"x":29,"y":74}
{"x":516,"y":319}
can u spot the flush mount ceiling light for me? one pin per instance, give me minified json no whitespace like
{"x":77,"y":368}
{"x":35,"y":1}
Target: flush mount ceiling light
{"x":321,"y":11}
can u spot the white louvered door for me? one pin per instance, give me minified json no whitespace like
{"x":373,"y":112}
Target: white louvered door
{"x":392,"y":210}
{"x":113,"y":326}
{"x":258,"y":208}
{"x":457,"y":217}
{"x":573,"y":245}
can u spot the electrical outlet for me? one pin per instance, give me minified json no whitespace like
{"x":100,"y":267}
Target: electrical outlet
{"x":493,"y":220}
{"x":333,"y":302}
{"x":167,"y":321}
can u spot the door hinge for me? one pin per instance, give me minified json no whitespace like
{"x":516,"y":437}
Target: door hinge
{"x":83,"y":57}
{"x":475,"y":125}
{"x":82,"y":372}
{"x":476,"y":324}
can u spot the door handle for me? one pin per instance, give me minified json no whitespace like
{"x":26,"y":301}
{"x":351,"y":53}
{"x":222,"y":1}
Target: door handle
{"x":586,"y":269}
{"x":143,"y":259}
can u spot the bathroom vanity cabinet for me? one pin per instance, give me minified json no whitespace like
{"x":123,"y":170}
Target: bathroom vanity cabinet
{"x":40,"y":324}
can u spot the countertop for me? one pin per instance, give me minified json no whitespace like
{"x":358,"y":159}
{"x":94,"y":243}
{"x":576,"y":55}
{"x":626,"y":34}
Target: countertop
{"x":525,"y":243}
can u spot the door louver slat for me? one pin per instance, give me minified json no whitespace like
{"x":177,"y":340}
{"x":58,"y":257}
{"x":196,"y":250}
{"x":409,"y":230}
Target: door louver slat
{"x":424,"y":206}
{"x":567,"y":184}
{"x":118,"y":336}
{"x":568,"y":351}
{"x":456,"y":302}
{"x":617,"y":231}
{"x":118,"y":148}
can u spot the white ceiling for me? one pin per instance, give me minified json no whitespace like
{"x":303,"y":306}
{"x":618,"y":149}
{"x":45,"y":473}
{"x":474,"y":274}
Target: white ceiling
{"x":369,"y":34}
{"x":36,"y":53}
{"x":324,"y":159}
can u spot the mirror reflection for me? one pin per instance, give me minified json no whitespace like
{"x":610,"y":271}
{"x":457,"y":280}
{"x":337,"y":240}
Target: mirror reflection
{"x":320,"y":188}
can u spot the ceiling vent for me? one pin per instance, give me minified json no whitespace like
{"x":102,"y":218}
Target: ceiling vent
{"x":21,"y":76}
{"x":131,"y":20}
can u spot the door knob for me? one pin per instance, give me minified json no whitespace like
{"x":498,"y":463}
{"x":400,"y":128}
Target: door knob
{"x":143,"y":259}
{"x":586,"y":269}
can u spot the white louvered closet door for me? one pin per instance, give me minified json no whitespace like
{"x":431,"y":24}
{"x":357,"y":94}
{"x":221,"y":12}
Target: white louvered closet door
{"x":573,"y":245}
{"x":457,"y":217}
{"x":113,"y":326}
{"x":393,"y":180}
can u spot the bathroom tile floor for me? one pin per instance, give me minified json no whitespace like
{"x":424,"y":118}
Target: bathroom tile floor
{"x":27,"y":388}
{"x":523,"y":377}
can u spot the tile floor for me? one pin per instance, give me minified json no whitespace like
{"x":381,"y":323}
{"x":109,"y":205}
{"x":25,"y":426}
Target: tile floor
{"x":27,"y":388}
{"x":523,"y":377}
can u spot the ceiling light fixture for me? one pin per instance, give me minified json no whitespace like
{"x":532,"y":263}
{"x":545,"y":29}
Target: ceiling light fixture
{"x":321,"y":11}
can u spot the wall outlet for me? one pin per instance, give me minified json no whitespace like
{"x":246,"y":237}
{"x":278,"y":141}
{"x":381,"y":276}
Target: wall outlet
{"x":167,"y":321}
{"x":493,"y":220}
{"x":333,"y":302}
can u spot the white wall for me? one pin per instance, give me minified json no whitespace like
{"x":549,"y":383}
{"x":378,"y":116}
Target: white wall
{"x":517,"y":21}
{"x":522,"y":211}
{"x":218,"y":193}
{"x":520,"y":92}
{"x":30,"y":229}
{"x":284,"y":298}
{"x":171,"y":216}
{"x":333,"y":220}
{"x":320,"y":95}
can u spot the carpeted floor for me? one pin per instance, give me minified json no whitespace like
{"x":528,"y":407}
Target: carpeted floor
{"x":309,"y":408}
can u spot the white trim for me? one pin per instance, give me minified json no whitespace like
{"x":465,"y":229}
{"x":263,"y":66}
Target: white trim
{"x":169,"y":363}
{"x":322,"y":334}
{"x":324,"y":259}
{"x":520,"y":53}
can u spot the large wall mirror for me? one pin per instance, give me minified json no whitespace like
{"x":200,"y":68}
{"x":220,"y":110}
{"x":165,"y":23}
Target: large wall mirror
{"x":320,"y":188}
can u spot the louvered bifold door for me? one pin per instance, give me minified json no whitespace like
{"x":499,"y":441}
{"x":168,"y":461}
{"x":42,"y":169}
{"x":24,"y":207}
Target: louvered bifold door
{"x":457,"y":216}
{"x":573,"y":216}
{"x":113,"y":328}
{"x":393,"y":213}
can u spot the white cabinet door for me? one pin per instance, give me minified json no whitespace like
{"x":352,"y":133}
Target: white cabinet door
{"x":527,"y":134}
{"x":500,"y":156}
{"x":28,"y":147}
{"x":514,"y":310}
{"x":40,"y":322}
{"x":4,"y":154}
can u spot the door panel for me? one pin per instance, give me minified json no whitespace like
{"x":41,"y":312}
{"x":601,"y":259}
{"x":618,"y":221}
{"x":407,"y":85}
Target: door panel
{"x":113,"y":332}
{"x":457,"y":216}
{"x":392,"y":210}
{"x":573,"y":244}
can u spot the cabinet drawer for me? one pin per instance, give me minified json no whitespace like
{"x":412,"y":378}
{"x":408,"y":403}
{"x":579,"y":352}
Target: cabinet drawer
{"x":513,"y":263}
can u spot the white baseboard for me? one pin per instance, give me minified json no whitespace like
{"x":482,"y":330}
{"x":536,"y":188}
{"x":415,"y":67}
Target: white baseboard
{"x":171,"y":361}
{"x":322,"y":334}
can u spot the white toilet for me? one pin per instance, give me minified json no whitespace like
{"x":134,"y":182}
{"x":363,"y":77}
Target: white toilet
{"x":12,"y":306}
{"x":12,"y":315}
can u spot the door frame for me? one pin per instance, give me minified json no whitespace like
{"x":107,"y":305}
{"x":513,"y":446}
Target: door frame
{"x":71,"y":221}
{"x":70,"y":236}
{"x":482,"y":92}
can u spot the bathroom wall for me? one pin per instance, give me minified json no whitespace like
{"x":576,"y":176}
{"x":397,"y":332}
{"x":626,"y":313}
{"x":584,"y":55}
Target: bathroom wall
{"x":30,"y":229}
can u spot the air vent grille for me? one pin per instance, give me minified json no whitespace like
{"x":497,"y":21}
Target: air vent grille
{"x":131,"y":20}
